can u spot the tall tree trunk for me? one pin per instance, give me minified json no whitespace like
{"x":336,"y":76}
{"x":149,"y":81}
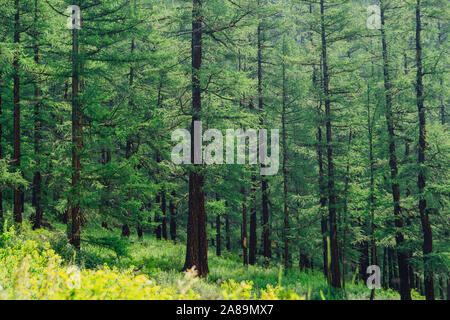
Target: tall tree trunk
{"x":157,"y":218}
{"x":128,"y":152}
{"x":317,"y":84}
{"x":264,"y":183}
{"x":218,"y":237}
{"x":76,"y":144}
{"x":164,"y":215}
{"x":37,"y":128}
{"x":244,"y":227}
{"x":441,"y":100}
{"x":421,"y":181}
{"x":173,"y":221}
{"x":323,"y":198}
{"x":335,"y":273}
{"x":401,"y":255}
{"x":370,"y":127}
{"x":227,"y":232}
{"x":1,"y":152}
{"x":253,"y":241}
{"x":197,"y":242}
{"x":344,"y":222}
{"x":18,"y":190}
{"x":286,"y":228}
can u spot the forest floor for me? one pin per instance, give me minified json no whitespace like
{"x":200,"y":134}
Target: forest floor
{"x":163,"y":260}
{"x":160,"y":263}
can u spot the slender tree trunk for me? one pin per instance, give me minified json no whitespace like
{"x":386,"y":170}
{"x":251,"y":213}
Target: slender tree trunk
{"x":448,"y":289}
{"x":157,"y":218}
{"x":363,"y":255}
{"x":441,"y":100}
{"x":318,"y":83}
{"x":173,"y":221}
{"x":244,"y":226}
{"x":252,"y":251}
{"x":76,"y":144}
{"x":323,"y":199}
{"x":18,"y":190}
{"x":347,"y":181}
{"x":370,"y":127}
{"x":197,"y":242}
{"x":335,"y":273}
{"x":421,"y":181}
{"x":164,"y":215}
{"x":1,"y":152}
{"x":286,"y":228}
{"x":227,"y":232}
{"x":264,"y":183}
{"x":37,"y":128}
{"x":218,"y":237}
{"x":128,"y":152}
{"x":401,"y":255}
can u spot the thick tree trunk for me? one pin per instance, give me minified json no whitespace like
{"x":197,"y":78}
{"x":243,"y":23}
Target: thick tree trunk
{"x":335,"y":272}
{"x":421,"y":181}
{"x":18,"y":190}
{"x":401,"y":254}
{"x":197,"y":242}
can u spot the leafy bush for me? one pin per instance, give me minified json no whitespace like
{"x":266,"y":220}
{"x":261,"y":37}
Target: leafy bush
{"x":28,"y":271}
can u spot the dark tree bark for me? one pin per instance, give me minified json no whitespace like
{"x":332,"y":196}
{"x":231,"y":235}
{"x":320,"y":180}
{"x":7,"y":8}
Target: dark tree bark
{"x":347,"y":181}
{"x":218,"y":237}
{"x":37,"y":129}
{"x":322,"y":192}
{"x":125,"y":227}
{"x":18,"y":190}
{"x":286,"y":228}
{"x":164,"y":215}
{"x":401,"y":254}
{"x":244,"y":226}
{"x":173,"y":220}
{"x":363,"y":257}
{"x":264,"y":183}
{"x":1,"y":152}
{"x":252,"y":247}
{"x":227,"y":232}
{"x":197,"y":242}
{"x":76,"y":143}
{"x":158,"y":230}
{"x":421,"y":181}
{"x":128,"y":152}
{"x":370,"y":127}
{"x":335,"y":272}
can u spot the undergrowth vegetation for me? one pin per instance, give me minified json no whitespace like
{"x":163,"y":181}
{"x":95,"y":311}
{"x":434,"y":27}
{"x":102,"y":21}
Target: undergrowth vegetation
{"x":43,"y":265}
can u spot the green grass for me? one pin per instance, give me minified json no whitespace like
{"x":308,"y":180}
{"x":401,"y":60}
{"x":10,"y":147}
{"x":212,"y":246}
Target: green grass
{"x":163,"y":260}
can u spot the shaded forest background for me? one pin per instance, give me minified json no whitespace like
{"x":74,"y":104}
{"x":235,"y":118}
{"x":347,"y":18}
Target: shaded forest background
{"x":87,"y":116}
